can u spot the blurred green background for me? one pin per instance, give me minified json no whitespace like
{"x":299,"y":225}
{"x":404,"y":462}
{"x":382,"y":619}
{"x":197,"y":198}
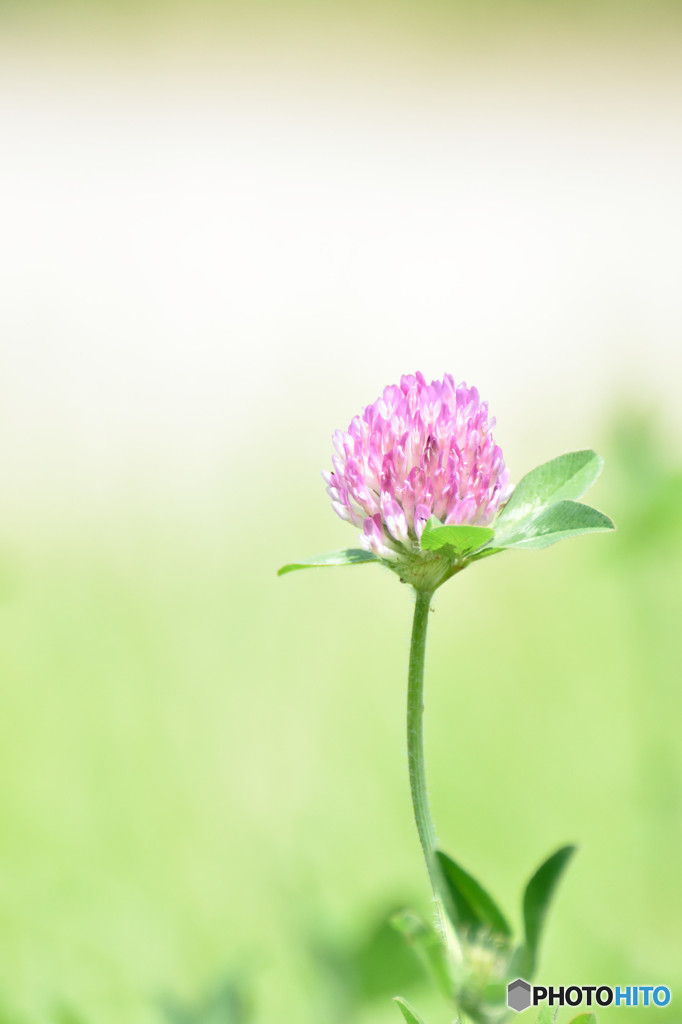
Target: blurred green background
{"x":204,"y":773}
{"x":225,"y":229}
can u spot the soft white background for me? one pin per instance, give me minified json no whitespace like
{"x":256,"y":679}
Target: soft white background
{"x":234,"y":250}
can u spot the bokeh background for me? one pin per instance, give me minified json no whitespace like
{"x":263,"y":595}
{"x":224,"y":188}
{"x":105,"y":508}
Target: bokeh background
{"x":223,"y":230}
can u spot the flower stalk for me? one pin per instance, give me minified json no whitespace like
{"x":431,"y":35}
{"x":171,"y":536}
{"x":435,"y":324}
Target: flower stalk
{"x":420,"y":474}
{"x":415,"y":732}
{"x":416,"y":761}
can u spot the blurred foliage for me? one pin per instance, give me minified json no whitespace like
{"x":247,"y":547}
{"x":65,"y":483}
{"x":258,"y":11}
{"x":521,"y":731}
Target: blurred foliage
{"x":647,"y":483}
{"x":230,"y":1003}
{"x":425,"y":15}
{"x":368,"y":968}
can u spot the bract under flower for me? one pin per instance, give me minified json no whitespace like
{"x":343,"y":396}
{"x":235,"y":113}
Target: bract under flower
{"x":420,"y":450}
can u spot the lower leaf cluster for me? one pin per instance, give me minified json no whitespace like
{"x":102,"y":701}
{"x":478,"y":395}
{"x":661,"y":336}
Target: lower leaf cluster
{"x":488,"y":957}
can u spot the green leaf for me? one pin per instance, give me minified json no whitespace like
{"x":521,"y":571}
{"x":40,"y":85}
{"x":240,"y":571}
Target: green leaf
{"x":547,"y":1015}
{"x":462,"y":539}
{"x":467,"y":903}
{"x":536,"y":901}
{"x":348,"y":556}
{"x":427,"y":947}
{"x":567,"y":476}
{"x":584,"y":1018}
{"x":410,"y":1015}
{"x":556,"y":522}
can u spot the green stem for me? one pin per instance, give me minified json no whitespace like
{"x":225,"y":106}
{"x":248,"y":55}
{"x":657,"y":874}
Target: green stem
{"x":416,"y":763}
{"x":415,"y":731}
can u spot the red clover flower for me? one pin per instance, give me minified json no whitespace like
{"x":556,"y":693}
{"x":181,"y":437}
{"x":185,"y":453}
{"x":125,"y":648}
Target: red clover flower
{"x":420,"y":450}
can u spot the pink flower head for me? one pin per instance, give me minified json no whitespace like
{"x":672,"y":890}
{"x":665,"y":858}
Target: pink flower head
{"x":420,"y":450}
